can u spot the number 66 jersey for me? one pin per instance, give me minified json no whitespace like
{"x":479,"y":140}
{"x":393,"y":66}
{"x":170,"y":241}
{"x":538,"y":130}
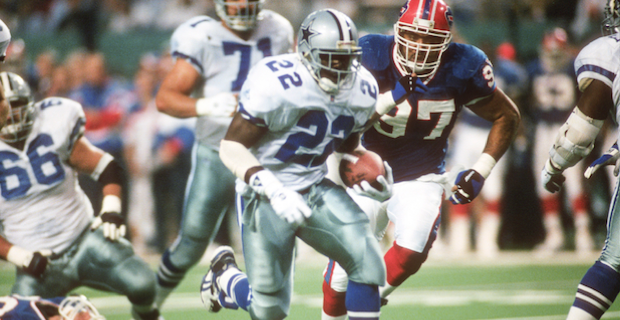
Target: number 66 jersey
{"x":41,"y":204}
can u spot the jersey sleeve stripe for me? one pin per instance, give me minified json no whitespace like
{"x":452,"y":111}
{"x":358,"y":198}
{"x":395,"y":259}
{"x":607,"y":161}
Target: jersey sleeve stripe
{"x":77,"y":131}
{"x":195,"y":62}
{"x":590,"y":67}
{"x":257,"y":121}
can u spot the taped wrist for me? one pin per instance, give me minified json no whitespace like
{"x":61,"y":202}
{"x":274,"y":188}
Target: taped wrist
{"x":111,"y":203}
{"x":108,"y":171}
{"x":237,"y":158}
{"x":575,"y":140}
{"x":385,"y":103}
{"x":19,"y":256}
{"x":484,"y":165}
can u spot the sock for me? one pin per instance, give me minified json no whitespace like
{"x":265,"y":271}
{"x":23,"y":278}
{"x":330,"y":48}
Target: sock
{"x":401,"y":263}
{"x":235,"y":285}
{"x":334,"y":307}
{"x":596,"y":292}
{"x":168,"y":278}
{"x":362,"y":301}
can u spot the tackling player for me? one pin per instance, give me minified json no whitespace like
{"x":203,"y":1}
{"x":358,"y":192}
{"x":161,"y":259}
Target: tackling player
{"x":295,"y":110}
{"x":413,"y":131}
{"x":212,"y":62}
{"x":49,"y":231}
{"x":597,"y":67}
{"x":74,"y":307}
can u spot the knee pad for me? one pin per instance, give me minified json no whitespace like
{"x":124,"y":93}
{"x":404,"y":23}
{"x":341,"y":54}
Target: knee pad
{"x":134,"y":279}
{"x":402,"y":263}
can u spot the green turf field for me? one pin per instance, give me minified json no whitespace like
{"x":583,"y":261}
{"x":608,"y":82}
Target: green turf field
{"x":514,"y":286}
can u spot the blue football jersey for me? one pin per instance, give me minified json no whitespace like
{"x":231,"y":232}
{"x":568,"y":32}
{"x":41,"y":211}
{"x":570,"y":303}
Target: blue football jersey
{"x":413,"y":137}
{"x":26,"y":308}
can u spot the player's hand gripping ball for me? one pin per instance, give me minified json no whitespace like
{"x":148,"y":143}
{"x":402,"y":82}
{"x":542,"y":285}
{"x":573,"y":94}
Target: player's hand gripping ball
{"x":361,"y":165}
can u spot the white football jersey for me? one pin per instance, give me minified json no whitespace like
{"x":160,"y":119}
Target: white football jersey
{"x":305,"y":123}
{"x":599,"y":60}
{"x":224,"y":60}
{"x":41,"y":204}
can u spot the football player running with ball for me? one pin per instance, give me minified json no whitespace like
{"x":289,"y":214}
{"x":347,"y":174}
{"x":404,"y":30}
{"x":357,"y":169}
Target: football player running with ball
{"x":429,"y":80}
{"x":294,"y":111}
{"x":597,"y":67}
{"x":49,"y":231}
{"x":212,"y":61}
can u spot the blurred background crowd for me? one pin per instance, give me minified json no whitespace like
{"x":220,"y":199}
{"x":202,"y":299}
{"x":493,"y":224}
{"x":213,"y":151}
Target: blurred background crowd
{"x":111,"y":55}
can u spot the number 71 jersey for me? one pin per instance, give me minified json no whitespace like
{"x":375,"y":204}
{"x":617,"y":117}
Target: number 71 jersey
{"x":413,"y":137}
{"x":41,"y":203}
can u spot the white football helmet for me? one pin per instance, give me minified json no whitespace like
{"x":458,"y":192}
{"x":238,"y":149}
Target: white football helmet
{"x":239,"y":15}
{"x":21,"y":108}
{"x":422,"y":33}
{"x":611,"y":22}
{"x":327,"y":44}
{"x":5,"y":39}
{"x":78,"y":307}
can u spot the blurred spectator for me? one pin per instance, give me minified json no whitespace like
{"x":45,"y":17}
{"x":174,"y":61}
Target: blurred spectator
{"x":74,"y":63}
{"x":59,"y":83}
{"x":106,"y":101}
{"x":40,"y":77}
{"x":84,"y":15}
{"x":16,"y":59}
{"x":554,"y":95}
{"x":157,"y":147}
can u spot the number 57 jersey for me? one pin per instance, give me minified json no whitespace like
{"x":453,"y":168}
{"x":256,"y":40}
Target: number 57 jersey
{"x":413,"y":137}
{"x":41,"y":204}
{"x":305,"y":123}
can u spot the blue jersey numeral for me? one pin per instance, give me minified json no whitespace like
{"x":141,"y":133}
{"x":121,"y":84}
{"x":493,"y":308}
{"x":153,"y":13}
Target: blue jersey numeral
{"x":317,"y":122}
{"x":46,"y":167}
{"x":264,"y":45}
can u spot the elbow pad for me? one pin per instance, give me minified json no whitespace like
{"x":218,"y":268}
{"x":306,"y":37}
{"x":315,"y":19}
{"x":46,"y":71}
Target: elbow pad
{"x":575,"y":140}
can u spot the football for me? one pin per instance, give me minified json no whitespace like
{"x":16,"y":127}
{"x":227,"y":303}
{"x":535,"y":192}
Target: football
{"x":361,"y":165}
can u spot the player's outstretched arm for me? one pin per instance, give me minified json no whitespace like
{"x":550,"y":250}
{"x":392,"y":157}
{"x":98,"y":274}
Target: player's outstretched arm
{"x":104,"y":169}
{"x":504,"y":114}
{"x":575,"y":139}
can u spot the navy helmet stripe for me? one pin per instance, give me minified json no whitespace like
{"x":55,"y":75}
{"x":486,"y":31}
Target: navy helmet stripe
{"x":426,"y":14}
{"x":338,"y":23}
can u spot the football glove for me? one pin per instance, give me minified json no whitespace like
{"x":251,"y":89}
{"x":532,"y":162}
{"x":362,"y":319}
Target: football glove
{"x":551,"y":177}
{"x":468,"y":185}
{"x":610,"y":157}
{"x":407,"y":85}
{"x":223,"y":104}
{"x":34,"y":263}
{"x":113,"y":225}
{"x":365,"y":189}
{"x":286,"y":203}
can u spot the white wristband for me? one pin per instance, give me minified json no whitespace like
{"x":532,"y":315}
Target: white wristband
{"x":111,"y":203}
{"x":385,"y":103}
{"x":484,"y":165}
{"x":19,"y":256}
{"x":203,"y":107}
{"x":101,"y":165}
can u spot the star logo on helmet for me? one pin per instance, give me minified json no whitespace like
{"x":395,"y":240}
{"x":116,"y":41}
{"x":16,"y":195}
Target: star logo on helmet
{"x":306,"y":33}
